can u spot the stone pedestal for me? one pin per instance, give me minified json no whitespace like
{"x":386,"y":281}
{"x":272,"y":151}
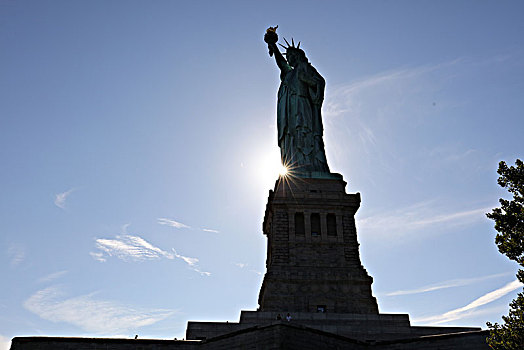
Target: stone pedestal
{"x":314,"y":273}
{"x":313,"y":262}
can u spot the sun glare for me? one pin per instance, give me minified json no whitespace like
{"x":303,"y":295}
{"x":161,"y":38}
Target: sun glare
{"x":269,"y":168}
{"x":282,"y":171}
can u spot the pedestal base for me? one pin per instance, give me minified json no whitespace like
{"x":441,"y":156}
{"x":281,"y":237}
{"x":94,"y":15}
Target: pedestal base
{"x":355,"y":326}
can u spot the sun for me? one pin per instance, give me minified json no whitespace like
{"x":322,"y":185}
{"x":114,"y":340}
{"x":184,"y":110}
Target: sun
{"x":283,"y":170}
{"x":268,"y":168}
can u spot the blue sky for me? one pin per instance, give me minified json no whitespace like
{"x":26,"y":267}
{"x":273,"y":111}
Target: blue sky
{"x":138,"y":145}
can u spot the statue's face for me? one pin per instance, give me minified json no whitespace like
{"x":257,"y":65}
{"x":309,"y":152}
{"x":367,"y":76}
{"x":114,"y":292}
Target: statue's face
{"x":292,"y":58}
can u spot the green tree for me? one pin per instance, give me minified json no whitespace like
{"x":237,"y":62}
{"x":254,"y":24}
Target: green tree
{"x":509,"y":222}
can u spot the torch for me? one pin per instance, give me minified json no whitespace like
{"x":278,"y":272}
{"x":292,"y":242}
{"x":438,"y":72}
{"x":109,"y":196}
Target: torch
{"x":271,"y":37}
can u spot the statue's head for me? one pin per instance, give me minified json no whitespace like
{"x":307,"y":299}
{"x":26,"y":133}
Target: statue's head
{"x":294,"y":55}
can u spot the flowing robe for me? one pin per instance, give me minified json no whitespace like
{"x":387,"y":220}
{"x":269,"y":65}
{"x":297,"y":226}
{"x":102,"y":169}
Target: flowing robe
{"x":299,"y":119}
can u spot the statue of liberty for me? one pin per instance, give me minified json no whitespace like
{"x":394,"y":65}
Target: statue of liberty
{"x":299,"y":119}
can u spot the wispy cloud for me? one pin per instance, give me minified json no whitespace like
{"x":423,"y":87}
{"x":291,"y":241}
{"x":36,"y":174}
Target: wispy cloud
{"x":471,"y":307}
{"x":128,"y":248}
{"x":92,"y":314}
{"x":16,"y":254}
{"x":98,"y":256}
{"x":60,"y":198}
{"x":52,"y":276}
{"x":135,"y":248}
{"x":192,"y":262}
{"x":362,"y":115}
{"x":177,"y":224}
{"x":342,"y":98}
{"x":172,"y":223}
{"x":123,"y":229}
{"x":449,"y":153}
{"x":210,"y":230}
{"x":244,"y":266}
{"x":5,"y":343}
{"x":187,"y":260}
{"x":419,"y":216}
{"x":444,"y":285}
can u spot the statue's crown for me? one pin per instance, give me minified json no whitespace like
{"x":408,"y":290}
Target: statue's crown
{"x":291,"y":46}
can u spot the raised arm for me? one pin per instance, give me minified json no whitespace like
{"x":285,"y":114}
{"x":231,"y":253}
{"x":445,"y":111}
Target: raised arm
{"x":279,"y":58}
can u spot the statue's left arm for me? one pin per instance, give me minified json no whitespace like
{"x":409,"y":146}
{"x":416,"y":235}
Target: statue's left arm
{"x":315,"y":83}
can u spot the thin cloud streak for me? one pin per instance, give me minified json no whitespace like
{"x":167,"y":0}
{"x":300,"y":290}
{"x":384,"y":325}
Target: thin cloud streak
{"x":451,"y":217}
{"x":192,"y":262}
{"x":360,"y":115}
{"x":244,"y":265}
{"x":52,"y":276}
{"x":16,"y":254}
{"x":471,"y":307}
{"x":203,"y":273}
{"x":419,"y":216}
{"x":135,"y":248}
{"x":91,"y":314}
{"x":341,"y":99}
{"x":123,"y":229}
{"x":210,"y":230}
{"x":60,"y":198}
{"x":444,"y":285}
{"x":186,"y":259}
{"x":177,"y":224}
{"x":98,"y":256}
{"x":128,"y":248}
{"x":172,"y":223}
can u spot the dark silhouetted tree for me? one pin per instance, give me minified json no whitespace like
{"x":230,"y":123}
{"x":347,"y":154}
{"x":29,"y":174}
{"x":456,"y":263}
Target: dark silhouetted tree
{"x":509,"y":222}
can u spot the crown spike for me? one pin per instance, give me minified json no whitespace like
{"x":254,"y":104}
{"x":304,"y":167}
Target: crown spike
{"x":282,"y":46}
{"x":287,"y":42}
{"x":292,"y":42}
{"x":298,"y":46}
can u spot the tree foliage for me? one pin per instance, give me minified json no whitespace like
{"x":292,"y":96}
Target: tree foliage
{"x":509,"y":223}
{"x":510,"y":335}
